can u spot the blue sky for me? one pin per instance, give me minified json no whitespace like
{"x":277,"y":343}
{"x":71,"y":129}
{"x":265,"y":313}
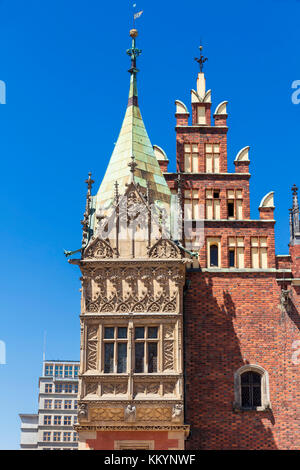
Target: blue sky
{"x":65,"y":68}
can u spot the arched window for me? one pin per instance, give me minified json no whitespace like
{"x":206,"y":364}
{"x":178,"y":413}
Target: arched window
{"x":214,"y":255}
{"x":251,"y":388}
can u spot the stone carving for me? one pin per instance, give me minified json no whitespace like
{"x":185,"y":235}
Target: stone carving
{"x":92,"y":347}
{"x":177,"y":412}
{"x":108,"y":389}
{"x":169,"y":388}
{"x":154,"y":414}
{"x":99,"y":249}
{"x":153,"y":388}
{"x":83,"y":410}
{"x":107,"y":414}
{"x":146,"y":388}
{"x":135,"y":289}
{"x":168,"y":348}
{"x":119,"y":388}
{"x":91,"y":388}
{"x":164,"y":249}
{"x":130,"y":413}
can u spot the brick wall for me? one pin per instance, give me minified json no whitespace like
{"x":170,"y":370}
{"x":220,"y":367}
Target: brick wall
{"x":232,"y":320}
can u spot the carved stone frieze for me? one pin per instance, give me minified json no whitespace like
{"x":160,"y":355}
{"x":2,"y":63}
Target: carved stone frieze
{"x":91,"y":388}
{"x":118,"y":388}
{"x":133,"y":289}
{"x":92,"y":347}
{"x":153,"y":414}
{"x":146,"y":388}
{"x":107,"y":414}
{"x":168,"y":347}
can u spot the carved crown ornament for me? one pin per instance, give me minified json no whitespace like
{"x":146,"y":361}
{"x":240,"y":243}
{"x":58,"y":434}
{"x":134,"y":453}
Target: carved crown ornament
{"x":132,"y":218}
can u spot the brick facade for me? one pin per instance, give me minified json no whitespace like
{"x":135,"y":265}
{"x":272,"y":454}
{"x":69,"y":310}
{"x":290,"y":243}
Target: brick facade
{"x":237,"y":317}
{"x":230,"y":314}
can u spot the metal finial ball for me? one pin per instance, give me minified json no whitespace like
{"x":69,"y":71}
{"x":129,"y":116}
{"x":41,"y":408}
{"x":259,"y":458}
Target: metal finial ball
{"x":133,"y":33}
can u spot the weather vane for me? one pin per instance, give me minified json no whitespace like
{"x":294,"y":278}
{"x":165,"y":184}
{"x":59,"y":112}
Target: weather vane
{"x":201,"y":59}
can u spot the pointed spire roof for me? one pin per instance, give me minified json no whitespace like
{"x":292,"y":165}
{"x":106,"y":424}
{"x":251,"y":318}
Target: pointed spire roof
{"x":133,"y":144}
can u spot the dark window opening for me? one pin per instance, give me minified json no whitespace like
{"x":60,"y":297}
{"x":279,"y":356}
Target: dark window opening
{"x":139,"y":357}
{"x":230,"y":206}
{"x":122,"y":357}
{"x":152,"y":357}
{"x":108,"y":358}
{"x":231,"y":258}
{"x":214,"y":255}
{"x":216,"y":194}
{"x":251,"y":390}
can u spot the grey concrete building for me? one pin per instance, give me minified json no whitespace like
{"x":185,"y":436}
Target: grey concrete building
{"x":52,"y":428}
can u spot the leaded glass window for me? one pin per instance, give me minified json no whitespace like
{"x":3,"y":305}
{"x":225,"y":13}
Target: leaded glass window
{"x":115,"y":349}
{"x":251,"y":389}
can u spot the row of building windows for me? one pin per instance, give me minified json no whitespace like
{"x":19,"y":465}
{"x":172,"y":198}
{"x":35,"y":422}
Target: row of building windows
{"x":236,"y":255}
{"x":212,"y":158}
{"x":57,"y":436}
{"x":61,"y":388}
{"x":60,"y":404}
{"x":61,"y":371}
{"x":192,"y":208}
{"x":145,"y":350}
{"x":58,"y":420}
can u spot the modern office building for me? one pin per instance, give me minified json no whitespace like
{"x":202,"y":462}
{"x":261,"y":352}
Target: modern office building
{"x":53,"y":426}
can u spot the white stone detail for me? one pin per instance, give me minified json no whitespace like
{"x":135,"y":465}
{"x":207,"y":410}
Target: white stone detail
{"x":181,"y":108}
{"x":221,"y":109}
{"x":268,"y":200}
{"x":160,"y":153}
{"x":243,"y":155}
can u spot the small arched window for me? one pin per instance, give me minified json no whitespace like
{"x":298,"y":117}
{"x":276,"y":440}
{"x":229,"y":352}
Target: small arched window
{"x":214,"y":255}
{"x":251,"y":389}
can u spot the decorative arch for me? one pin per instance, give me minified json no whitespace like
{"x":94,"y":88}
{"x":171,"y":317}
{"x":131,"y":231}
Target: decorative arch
{"x":164,"y":248}
{"x":98,"y":248}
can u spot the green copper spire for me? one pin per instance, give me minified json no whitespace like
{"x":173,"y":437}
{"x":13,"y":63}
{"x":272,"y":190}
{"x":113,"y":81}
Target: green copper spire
{"x":133,"y":141}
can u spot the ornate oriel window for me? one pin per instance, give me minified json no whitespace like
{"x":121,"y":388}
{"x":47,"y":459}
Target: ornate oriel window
{"x":251,"y":388}
{"x":115,"y":349}
{"x":146,"y":349}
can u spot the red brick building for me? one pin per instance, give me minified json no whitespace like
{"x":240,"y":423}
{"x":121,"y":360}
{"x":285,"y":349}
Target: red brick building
{"x":236,"y":343}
